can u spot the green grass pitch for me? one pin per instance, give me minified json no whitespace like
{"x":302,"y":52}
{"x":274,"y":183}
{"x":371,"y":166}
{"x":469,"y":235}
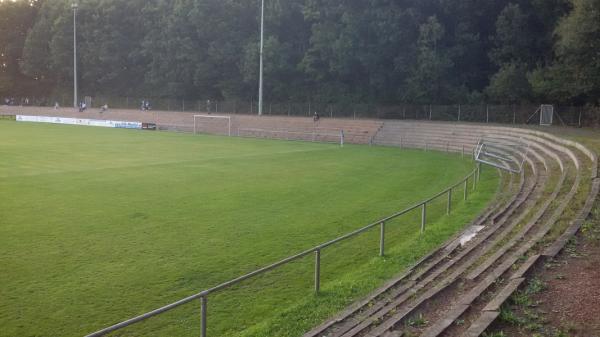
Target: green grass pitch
{"x":99,"y":225}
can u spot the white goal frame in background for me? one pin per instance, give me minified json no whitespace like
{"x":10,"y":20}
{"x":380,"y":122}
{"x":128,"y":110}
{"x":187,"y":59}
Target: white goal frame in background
{"x":197,"y":117}
{"x":546,"y":114}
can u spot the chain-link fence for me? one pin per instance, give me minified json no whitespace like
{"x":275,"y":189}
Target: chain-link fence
{"x":483,"y":113}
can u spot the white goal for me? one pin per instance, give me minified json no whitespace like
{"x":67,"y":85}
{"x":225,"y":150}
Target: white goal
{"x":212,"y":124}
{"x":546,"y":114}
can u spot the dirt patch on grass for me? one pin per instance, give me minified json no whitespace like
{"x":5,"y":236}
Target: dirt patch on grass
{"x":572,"y":300}
{"x":567,"y":301}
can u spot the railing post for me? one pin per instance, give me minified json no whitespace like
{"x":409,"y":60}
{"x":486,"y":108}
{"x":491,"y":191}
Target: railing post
{"x":382,"y":239}
{"x":466,"y":187}
{"x":203,"y":316}
{"x":423,"y":217}
{"x":449,"y":208}
{"x":478,"y":172}
{"x":463,"y":151}
{"x":474,"y":181}
{"x":317,"y":270}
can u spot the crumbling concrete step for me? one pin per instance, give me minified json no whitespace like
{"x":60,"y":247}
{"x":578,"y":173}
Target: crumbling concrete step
{"x":504,"y":294}
{"x":500,"y":252}
{"x":481,"y":324}
{"x":483,"y":285}
{"x":526,"y":266}
{"x":576,"y":224}
{"x":351,"y":322}
{"x":395,"y":333}
{"x":441,"y":325}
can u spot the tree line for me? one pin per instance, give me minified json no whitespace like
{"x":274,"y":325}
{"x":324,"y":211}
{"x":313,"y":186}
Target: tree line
{"x":383,"y":51}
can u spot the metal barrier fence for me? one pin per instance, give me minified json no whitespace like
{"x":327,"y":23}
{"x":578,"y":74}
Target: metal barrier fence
{"x":482,"y":113}
{"x":316,"y":251}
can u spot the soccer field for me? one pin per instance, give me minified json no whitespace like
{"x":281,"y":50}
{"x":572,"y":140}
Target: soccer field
{"x":98,"y":225}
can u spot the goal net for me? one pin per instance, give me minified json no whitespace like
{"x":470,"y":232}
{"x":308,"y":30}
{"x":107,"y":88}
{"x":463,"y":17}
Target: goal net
{"x":308,"y":135}
{"x":218,"y":125}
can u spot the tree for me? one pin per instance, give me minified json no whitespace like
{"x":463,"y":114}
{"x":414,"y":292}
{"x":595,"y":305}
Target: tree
{"x":512,"y":40}
{"x":510,"y":84}
{"x":426,"y":51}
{"x":578,"y":49}
{"x":16,"y":18}
{"x":428,"y":81}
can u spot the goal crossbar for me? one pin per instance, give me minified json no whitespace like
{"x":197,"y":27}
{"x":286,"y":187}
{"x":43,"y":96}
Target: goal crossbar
{"x":226,"y":118}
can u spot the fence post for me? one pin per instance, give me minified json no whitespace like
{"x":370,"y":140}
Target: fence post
{"x":514,"y":114}
{"x":423,"y":217}
{"x":463,"y":152}
{"x":382,"y":239}
{"x":466,"y":187}
{"x":449,"y":208}
{"x":203,"y":316}
{"x":429,"y":111}
{"x":317,"y":270}
{"x":459,"y":112}
{"x":487,"y":113}
{"x":474,"y":181}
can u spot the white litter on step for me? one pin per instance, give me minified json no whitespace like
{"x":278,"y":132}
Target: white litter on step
{"x":470,"y":234}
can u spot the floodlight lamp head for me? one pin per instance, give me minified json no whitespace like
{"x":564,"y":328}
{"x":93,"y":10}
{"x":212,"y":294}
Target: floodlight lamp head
{"x":74,"y":5}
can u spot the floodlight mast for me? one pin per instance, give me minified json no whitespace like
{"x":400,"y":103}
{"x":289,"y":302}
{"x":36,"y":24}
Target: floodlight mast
{"x":260,"y":80}
{"x":74,"y":6}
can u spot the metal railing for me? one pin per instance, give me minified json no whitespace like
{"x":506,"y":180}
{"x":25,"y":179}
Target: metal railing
{"x":473,"y":176}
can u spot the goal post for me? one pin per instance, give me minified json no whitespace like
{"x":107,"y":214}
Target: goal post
{"x":546,"y":114}
{"x":212,"y":124}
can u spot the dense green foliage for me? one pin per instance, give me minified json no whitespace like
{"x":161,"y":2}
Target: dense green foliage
{"x":98,"y":225}
{"x":411,"y":51}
